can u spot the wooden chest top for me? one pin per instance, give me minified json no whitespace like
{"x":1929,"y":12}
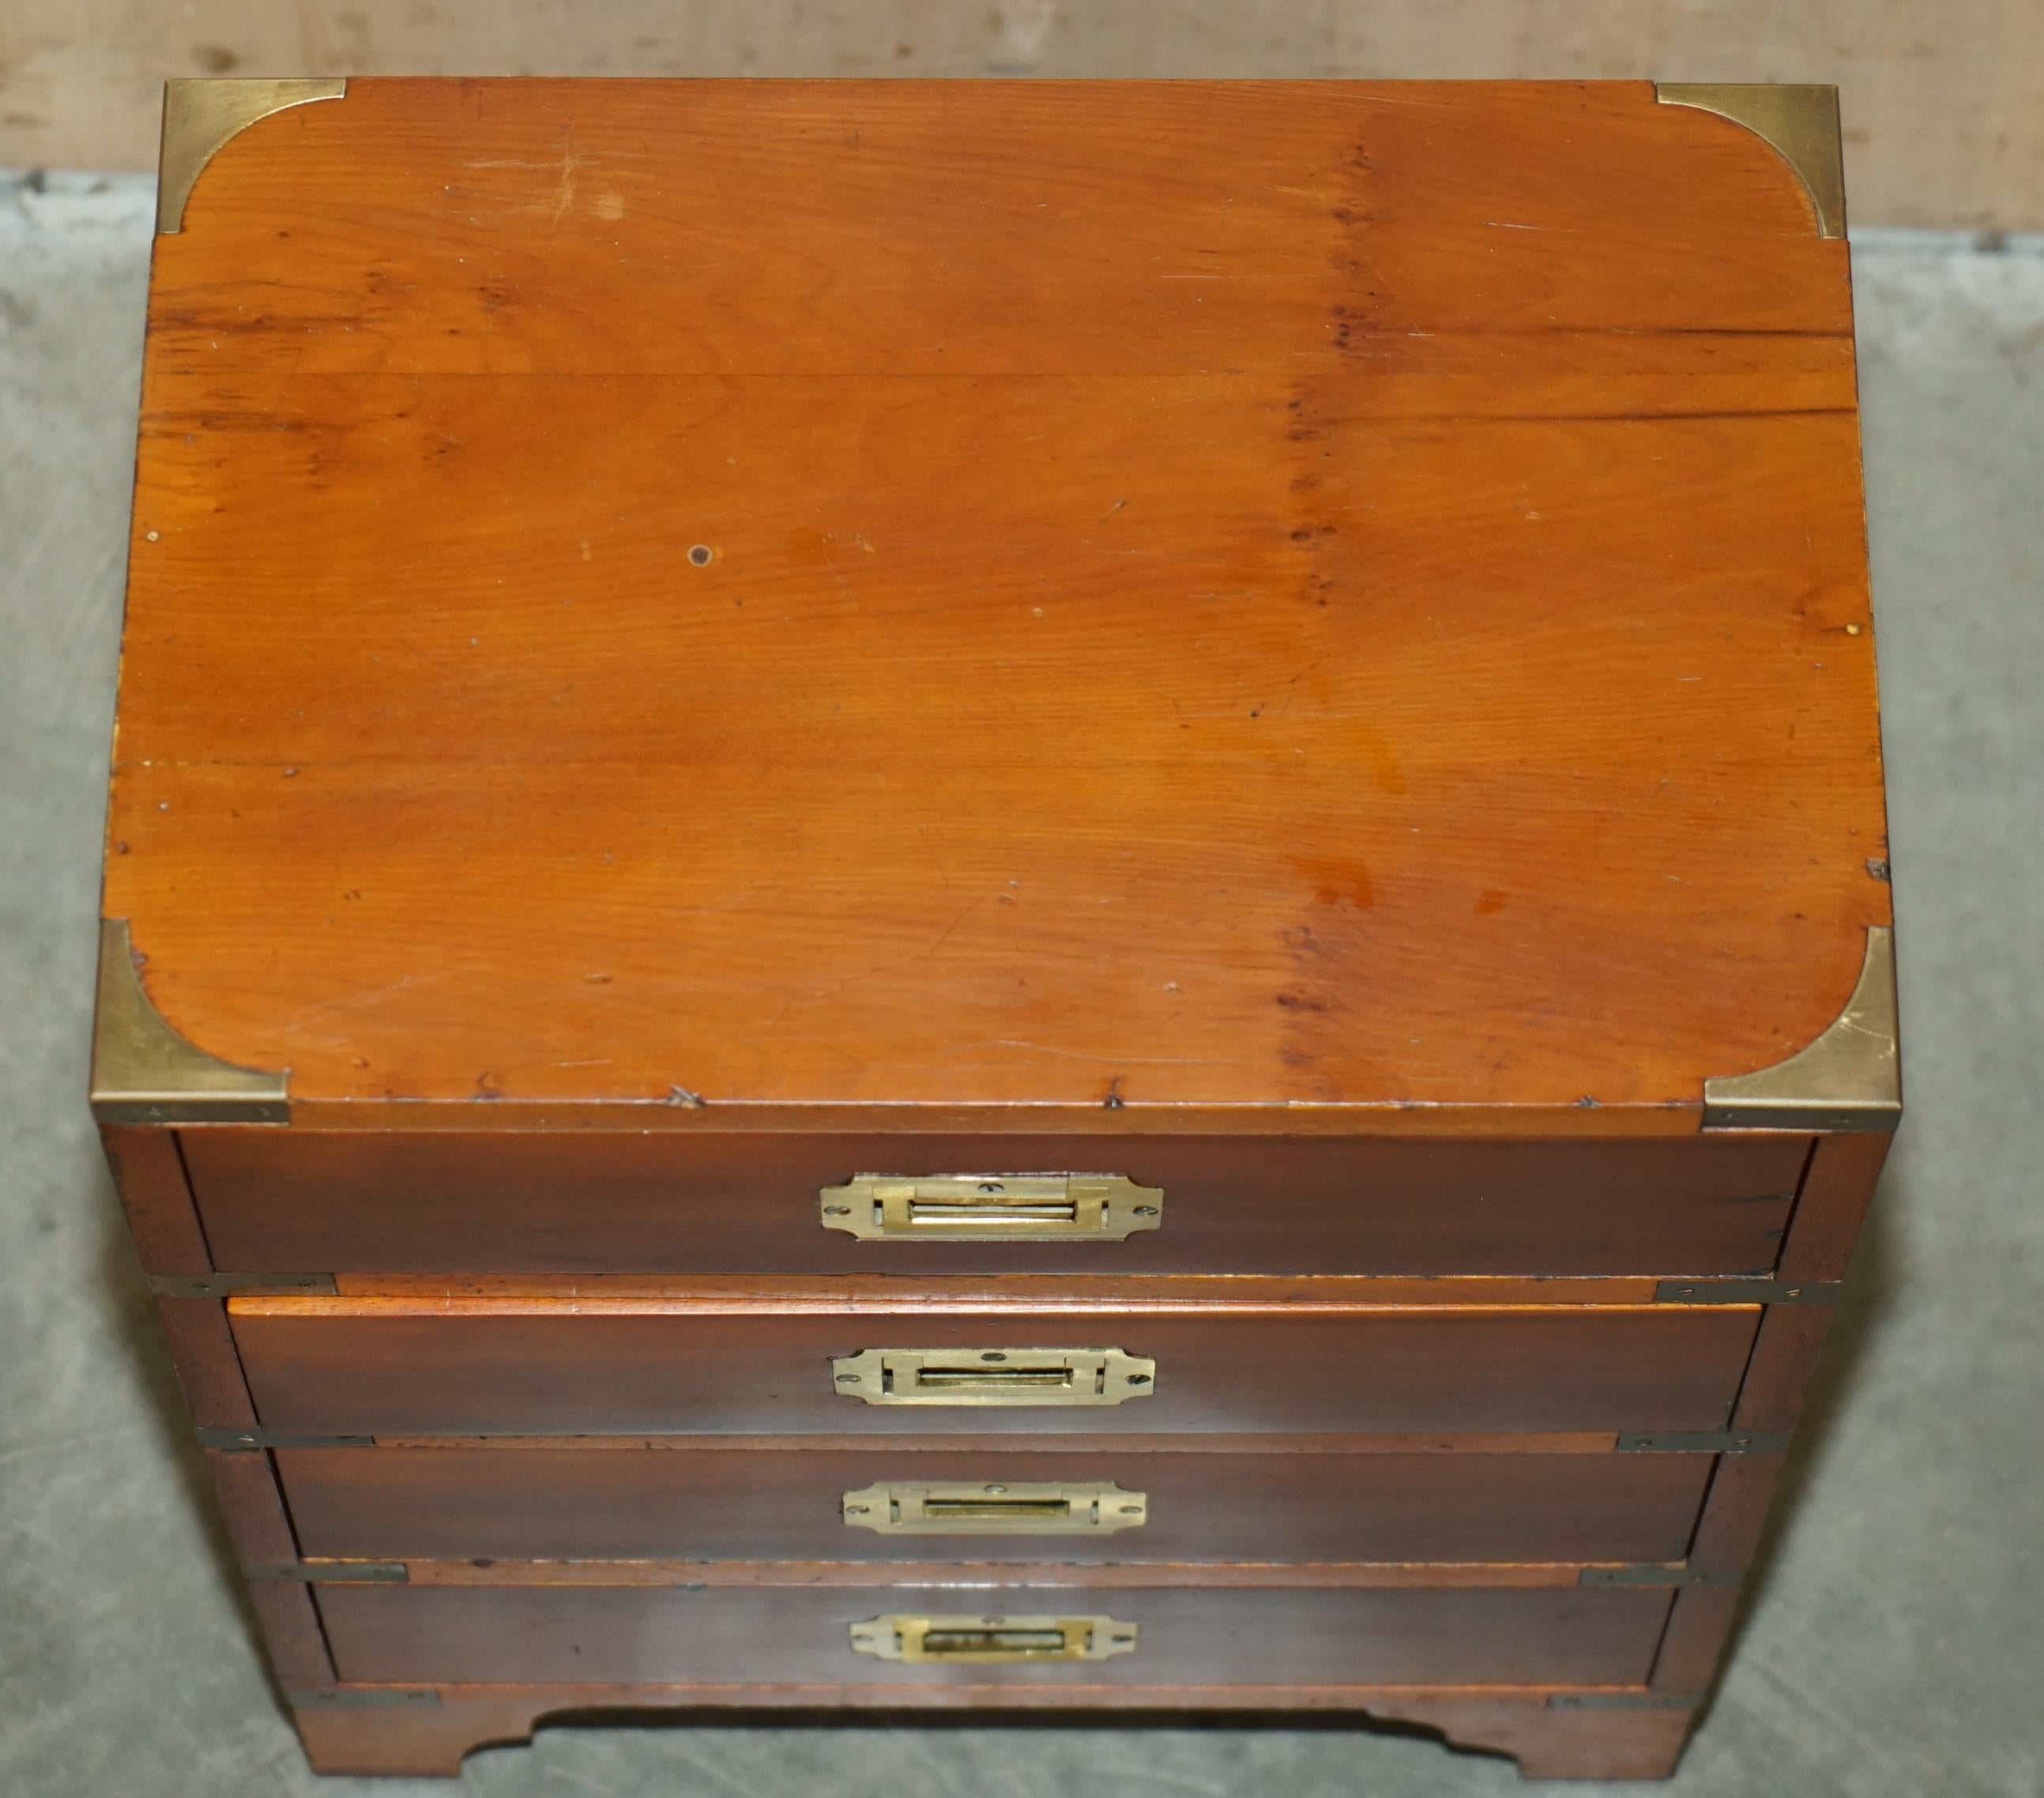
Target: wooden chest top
{"x":1052,"y":604}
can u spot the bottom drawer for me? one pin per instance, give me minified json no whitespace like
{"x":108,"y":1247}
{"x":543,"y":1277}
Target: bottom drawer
{"x":972,"y":1631}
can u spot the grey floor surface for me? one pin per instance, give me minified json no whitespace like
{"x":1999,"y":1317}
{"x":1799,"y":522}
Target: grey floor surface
{"x":1895,"y":1646}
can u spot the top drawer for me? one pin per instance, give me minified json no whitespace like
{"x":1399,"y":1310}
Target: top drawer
{"x":297,"y":1200}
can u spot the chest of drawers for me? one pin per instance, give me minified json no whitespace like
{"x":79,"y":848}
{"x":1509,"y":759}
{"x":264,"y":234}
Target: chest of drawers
{"x":1065,"y":896}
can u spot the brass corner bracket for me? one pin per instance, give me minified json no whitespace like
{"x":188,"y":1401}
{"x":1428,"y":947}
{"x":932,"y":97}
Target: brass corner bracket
{"x":201,"y":116}
{"x":144,"y":1072}
{"x":1849,"y":1078}
{"x":1799,"y":123}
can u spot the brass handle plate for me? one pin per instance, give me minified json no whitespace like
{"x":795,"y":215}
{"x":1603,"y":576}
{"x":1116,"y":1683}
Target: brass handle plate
{"x":1063,"y":1507}
{"x":995,"y":1377}
{"x":994,"y":1639}
{"x":991,"y":1208}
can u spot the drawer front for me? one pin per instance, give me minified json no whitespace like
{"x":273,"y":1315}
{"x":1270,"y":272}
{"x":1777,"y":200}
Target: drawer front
{"x":568,"y":1501}
{"x":1566,"y":1636}
{"x":341,"y":1201}
{"x":380,"y":1367}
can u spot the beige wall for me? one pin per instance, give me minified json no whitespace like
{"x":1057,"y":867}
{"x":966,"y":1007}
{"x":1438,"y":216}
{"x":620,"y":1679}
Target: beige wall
{"x":1943,"y":99}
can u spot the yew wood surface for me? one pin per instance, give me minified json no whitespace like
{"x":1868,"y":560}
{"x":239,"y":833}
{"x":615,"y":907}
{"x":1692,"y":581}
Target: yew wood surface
{"x":533,"y":1503}
{"x":1605,"y":1636}
{"x":594,"y":1202}
{"x":582,"y":1366}
{"x":1219,"y":596}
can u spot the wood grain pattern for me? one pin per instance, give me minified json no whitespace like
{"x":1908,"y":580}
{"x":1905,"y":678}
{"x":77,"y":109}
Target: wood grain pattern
{"x":1832,"y":1205}
{"x":1734,"y":1513}
{"x":514,"y":1633}
{"x":569,"y":1367}
{"x":287,"y":1622}
{"x":1699,"y":1635}
{"x":157,"y":1197}
{"x":252,"y":1504}
{"x":1784,"y":1356}
{"x":430,"y":1739}
{"x":1220,"y":597}
{"x":209,"y":1370}
{"x":1158,"y":1442}
{"x":1121,"y":1294}
{"x":1049,"y":1581}
{"x":533,"y":1503}
{"x":598,"y":1202}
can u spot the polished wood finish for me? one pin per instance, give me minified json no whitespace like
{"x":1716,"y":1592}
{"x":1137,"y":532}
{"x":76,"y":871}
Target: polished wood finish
{"x":516,"y":1634}
{"x":209,"y":1370}
{"x":429,"y":1739}
{"x":1305,"y":643}
{"x":516,"y":1201}
{"x":1832,"y":1204}
{"x":572,"y":1366}
{"x":534,"y":1503}
{"x":1699,"y":1632}
{"x":149,"y":1173}
{"x":1119,"y":1295}
{"x":287,"y":1622}
{"x":1224,"y":601}
{"x":1044,"y":1580}
{"x":252,"y":1504}
{"x":1319,"y":1441}
{"x":1735,"y":1513}
{"x":1784,"y":1356}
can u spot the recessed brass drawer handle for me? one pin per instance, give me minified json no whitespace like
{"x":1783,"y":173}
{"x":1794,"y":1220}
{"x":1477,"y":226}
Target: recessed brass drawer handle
{"x":991,"y":1208}
{"x":1004,"y":1376}
{"x":1065,"y":1507}
{"x":994,"y":1639}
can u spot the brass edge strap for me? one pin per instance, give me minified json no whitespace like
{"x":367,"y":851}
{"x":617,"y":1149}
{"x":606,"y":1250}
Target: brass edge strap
{"x":350,"y":1697}
{"x":1698,"y":1442}
{"x":227,"y":1285}
{"x":880,"y":1575}
{"x":1653,"y":1576}
{"x":1746,"y":1292}
{"x":1624,"y":1700}
{"x":1704,"y":1291}
{"x":1628,"y":1442}
{"x":257,"y":1439}
{"x":337,"y":1698}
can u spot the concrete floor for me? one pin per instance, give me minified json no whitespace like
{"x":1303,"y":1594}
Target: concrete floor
{"x":1894,"y":1648}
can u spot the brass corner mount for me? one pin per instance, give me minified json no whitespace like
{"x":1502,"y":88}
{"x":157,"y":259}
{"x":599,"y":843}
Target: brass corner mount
{"x":1800,"y":123}
{"x":144,"y":1072}
{"x":201,"y":116}
{"x":1849,"y":1078}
